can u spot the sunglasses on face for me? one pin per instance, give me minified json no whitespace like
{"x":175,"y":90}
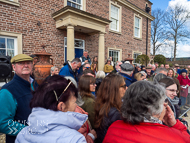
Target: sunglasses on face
{"x":87,"y":67}
{"x":124,"y":86}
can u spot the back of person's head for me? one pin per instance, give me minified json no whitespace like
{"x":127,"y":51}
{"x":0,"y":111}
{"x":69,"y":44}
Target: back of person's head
{"x":142,"y":100}
{"x":88,"y":72}
{"x":84,"y":84}
{"x":54,"y":88}
{"x":158,"y":70}
{"x":100,"y":74}
{"x":167,"y":81}
{"x":159,"y":76}
{"x":108,"y":96}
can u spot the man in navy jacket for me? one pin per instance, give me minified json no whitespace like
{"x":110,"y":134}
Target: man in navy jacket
{"x":15,"y":98}
{"x":70,"y":68}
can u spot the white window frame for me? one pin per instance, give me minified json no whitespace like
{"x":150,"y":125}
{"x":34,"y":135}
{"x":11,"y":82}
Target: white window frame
{"x":15,"y":44}
{"x":139,"y":27}
{"x":117,"y":51}
{"x":83,"y":4}
{"x":119,"y":20}
{"x":65,"y":46}
{"x":134,"y":58}
{"x":76,"y":3}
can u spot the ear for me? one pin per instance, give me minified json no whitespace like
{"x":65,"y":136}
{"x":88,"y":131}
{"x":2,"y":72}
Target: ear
{"x":14,"y":66}
{"x":61,"y":107}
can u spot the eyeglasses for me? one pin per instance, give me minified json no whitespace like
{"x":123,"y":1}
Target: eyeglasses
{"x":87,"y":67}
{"x":172,"y":90}
{"x":124,"y":86}
{"x":57,"y":98}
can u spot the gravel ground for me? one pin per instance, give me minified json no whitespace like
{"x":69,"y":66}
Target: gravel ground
{"x":2,"y":136}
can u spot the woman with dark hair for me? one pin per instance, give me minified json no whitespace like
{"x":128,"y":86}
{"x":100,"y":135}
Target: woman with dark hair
{"x":172,"y":94}
{"x":108,"y":103}
{"x":143,"y":111}
{"x":86,"y":87}
{"x":171,"y":73}
{"x":53,"y":118}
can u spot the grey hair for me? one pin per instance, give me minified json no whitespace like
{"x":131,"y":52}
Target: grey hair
{"x":52,"y":69}
{"x":85,"y":51}
{"x":100,"y":74}
{"x":86,"y":64}
{"x":160,"y":69}
{"x":76,"y":60}
{"x":142,"y":99}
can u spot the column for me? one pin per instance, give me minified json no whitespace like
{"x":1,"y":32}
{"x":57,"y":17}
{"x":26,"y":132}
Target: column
{"x":101,"y":52}
{"x":70,"y":43}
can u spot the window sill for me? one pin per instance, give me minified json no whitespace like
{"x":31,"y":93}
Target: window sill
{"x":137,"y":38}
{"x":11,"y":2}
{"x":117,"y":32}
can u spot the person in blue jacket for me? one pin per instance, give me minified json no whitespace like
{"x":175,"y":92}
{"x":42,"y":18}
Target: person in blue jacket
{"x":53,"y":118}
{"x":15,"y":97}
{"x":70,"y":68}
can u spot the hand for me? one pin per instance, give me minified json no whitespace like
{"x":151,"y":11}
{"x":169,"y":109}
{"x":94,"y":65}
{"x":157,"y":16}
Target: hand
{"x":169,"y":118}
{"x":94,"y":133}
{"x":187,"y":85}
{"x":86,"y":61}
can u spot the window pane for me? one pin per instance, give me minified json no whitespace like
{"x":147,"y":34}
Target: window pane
{"x":114,"y":12}
{"x":79,"y":1}
{"x":3,"y":52}
{"x":68,"y":3}
{"x":137,"y":22}
{"x":114,"y":24}
{"x":10,"y":43}
{"x":78,"y":43}
{"x":10,"y":53}
{"x":137,"y":32}
{"x":2,"y":42}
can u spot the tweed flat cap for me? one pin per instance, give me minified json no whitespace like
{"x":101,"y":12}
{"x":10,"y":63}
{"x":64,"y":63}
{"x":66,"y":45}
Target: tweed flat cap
{"x":21,"y":58}
{"x":127,"y":67}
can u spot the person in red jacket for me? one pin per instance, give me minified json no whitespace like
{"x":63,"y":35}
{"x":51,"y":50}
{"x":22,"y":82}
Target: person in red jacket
{"x":144,"y":111}
{"x":184,"y":82}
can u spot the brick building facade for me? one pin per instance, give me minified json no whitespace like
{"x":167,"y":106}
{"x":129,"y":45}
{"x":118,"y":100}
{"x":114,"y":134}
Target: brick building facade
{"x":26,"y":25}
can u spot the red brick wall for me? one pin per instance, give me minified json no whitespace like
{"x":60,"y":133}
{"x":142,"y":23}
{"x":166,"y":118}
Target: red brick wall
{"x":24,"y":20}
{"x":127,"y":30}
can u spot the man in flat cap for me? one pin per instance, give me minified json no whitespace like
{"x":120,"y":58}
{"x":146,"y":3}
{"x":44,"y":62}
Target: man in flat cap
{"x":15,"y":98}
{"x":127,"y":71}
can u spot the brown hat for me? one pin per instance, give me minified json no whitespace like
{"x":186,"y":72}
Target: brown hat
{"x":148,"y":67}
{"x":176,"y":65}
{"x":21,"y":58}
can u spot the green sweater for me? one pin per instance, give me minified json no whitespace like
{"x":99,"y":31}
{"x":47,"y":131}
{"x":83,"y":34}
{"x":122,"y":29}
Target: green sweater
{"x":88,"y":106}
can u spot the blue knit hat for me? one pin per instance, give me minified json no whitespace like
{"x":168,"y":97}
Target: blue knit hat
{"x":183,"y":70}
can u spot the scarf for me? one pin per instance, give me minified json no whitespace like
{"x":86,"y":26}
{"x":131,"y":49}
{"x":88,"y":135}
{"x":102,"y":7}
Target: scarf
{"x":173,"y":102}
{"x":152,"y":120}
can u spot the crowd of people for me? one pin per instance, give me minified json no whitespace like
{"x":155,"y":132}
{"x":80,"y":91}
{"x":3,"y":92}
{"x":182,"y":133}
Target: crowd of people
{"x":80,"y":103}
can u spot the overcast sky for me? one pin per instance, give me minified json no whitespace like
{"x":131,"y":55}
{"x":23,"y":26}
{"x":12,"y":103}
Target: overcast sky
{"x":183,"y":49}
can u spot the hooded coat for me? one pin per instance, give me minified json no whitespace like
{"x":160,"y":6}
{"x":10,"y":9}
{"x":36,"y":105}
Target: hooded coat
{"x":48,"y":126}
